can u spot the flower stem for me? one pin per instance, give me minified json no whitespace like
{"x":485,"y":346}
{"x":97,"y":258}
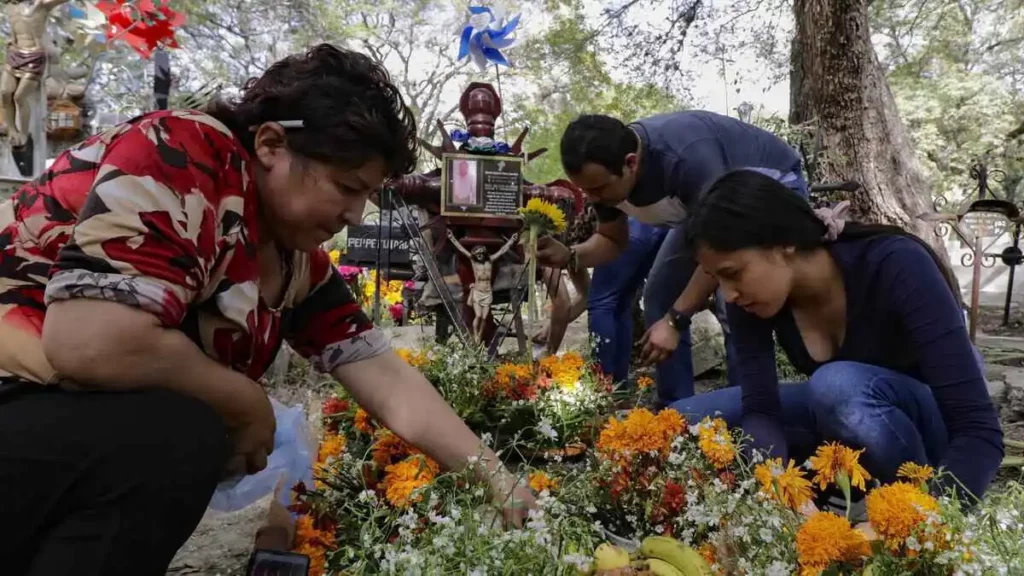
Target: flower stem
{"x":531,"y":280}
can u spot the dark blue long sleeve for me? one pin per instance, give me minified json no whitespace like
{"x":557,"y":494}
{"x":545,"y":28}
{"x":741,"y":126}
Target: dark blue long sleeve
{"x":918,"y":296}
{"x":762,"y":409}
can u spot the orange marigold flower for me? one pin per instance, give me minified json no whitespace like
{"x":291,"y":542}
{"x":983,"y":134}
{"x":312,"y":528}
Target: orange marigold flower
{"x":716,"y":442}
{"x":539,"y":482}
{"x":826,"y":538}
{"x":915,"y":473}
{"x":312,"y":542}
{"x":363,"y":422}
{"x":644,"y":382}
{"x":897,"y":510}
{"x":403,"y":479}
{"x":832,"y":460}
{"x":389,"y":448}
{"x":639,"y":433}
{"x":785,"y":484}
{"x":708,"y":552}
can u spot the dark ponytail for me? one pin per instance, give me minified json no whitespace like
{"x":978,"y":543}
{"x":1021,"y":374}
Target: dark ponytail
{"x":748,"y":209}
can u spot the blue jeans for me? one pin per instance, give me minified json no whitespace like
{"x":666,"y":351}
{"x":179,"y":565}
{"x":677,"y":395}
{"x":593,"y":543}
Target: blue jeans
{"x":670,"y":274}
{"x":891,"y":415}
{"x":610,"y":300}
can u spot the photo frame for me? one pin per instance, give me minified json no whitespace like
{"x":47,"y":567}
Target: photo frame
{"x":481,"y":186}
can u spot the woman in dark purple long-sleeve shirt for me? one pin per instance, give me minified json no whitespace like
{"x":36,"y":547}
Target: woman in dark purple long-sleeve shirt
{"x":867,"y":312}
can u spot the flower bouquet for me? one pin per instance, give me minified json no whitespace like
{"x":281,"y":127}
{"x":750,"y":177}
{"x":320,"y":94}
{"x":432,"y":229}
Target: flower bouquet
{"x":546,"y":409}
{"x":379,"y":506}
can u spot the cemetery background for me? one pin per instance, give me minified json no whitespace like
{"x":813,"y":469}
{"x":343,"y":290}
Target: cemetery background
{"x":955,"y":70}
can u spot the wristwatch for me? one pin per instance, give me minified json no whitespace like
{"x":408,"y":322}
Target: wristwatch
{"x":674,"y":318}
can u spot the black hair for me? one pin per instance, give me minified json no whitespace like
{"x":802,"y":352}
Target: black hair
{"x":351,"y":111}
{"x":748,"y":209}
{"x":597,"y":138}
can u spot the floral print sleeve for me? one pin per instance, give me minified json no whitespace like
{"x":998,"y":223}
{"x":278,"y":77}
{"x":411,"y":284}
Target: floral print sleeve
{"x":329,"y":326}
{"x":165,"y":205}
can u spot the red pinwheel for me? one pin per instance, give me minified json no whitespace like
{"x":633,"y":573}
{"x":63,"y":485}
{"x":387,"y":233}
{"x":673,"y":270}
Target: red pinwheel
{"x":143,"y":24}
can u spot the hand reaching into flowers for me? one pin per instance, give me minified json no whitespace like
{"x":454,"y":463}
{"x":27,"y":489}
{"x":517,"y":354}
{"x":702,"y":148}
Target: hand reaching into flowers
{"x":513,"y":497}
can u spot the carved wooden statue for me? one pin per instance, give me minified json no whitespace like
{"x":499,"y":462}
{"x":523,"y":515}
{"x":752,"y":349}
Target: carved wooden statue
{"x":24,"y":70}
{"x":481,"y":292}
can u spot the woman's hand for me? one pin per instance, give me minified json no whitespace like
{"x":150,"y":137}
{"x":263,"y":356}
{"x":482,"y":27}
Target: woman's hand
{"x":514,"y":499}
{"x":253,"y":432}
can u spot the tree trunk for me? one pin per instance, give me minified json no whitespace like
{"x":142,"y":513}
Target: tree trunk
{"x":838,"y":86}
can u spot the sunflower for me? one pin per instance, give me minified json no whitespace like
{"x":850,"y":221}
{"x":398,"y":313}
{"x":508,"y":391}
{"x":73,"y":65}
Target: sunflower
{"x":544,"y":215}
{"x":785,"y":484}
{"x":834,"y":462}
{"x":825,"y":539}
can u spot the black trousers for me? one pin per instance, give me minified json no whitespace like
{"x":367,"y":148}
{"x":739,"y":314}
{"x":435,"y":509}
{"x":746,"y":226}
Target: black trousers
{"x":102,"y":483}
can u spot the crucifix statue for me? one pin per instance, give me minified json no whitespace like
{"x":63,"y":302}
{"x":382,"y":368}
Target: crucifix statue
{"x":480,"y":292}
{"x":25,"y":68}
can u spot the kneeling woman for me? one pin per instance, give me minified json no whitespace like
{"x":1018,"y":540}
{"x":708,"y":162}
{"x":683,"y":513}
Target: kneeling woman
{"x":147,"y":280}
{"x":867,"y":312}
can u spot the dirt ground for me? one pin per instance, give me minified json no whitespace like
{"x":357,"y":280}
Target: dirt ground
{"x":223,"y":541}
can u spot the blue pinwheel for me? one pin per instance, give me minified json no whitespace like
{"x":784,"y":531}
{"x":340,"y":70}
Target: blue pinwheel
{"x":486,"y":35}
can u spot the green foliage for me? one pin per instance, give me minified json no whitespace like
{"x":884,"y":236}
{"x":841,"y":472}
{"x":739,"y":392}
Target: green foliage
{"x":958,"y":77}
{"x":570,"y":79}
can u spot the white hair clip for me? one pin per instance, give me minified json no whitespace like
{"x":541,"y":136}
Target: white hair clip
{"x":292,"y":123}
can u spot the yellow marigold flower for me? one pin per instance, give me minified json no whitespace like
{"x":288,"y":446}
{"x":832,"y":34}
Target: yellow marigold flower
{"x":363,"y":422}
{"x":544,"y":214}
{"x":403,"y":479}
{"x":897,"y":510}
{"x":335,"y":256}
{"x":644,"y":382}
{"x":640,"y":432}
{"x":716,"y":442}
{"x":539,"y":482}
{"x":786,"y":484}
{"x":826,"y":538}
{"x":915,"y":473}
{"x":414,"y":358}
{"x":833,"y":459}
{"x":330,"y":447}
{"x":566,"y":370}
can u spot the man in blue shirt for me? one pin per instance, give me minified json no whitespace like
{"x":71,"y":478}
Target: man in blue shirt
{"x":653,"y":170}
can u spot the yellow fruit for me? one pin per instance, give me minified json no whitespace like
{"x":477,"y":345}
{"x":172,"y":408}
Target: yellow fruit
{"x":683,"y":558}
{"x":662,"y":568}
{"x":610,"y":557}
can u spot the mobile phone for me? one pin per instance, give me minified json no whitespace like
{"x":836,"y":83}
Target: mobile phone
{"x":271,"y":563}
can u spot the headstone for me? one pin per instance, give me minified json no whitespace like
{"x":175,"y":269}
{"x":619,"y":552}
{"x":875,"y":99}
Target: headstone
{"x":708,"y":342}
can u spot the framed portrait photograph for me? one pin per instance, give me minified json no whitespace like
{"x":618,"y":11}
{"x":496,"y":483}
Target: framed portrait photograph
{"x":481,"y":186}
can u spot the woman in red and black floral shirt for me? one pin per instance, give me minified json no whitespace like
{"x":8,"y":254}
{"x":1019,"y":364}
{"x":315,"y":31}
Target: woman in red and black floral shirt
{"x":147,"y":280}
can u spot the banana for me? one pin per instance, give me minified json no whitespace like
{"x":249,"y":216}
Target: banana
{"x":610,"y":557}
{"x":683,"y":558}
{"x":662,"y":568}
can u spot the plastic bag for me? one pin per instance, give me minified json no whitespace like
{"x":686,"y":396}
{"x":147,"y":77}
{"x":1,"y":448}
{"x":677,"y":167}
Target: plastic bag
{"x":290,"y":463}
